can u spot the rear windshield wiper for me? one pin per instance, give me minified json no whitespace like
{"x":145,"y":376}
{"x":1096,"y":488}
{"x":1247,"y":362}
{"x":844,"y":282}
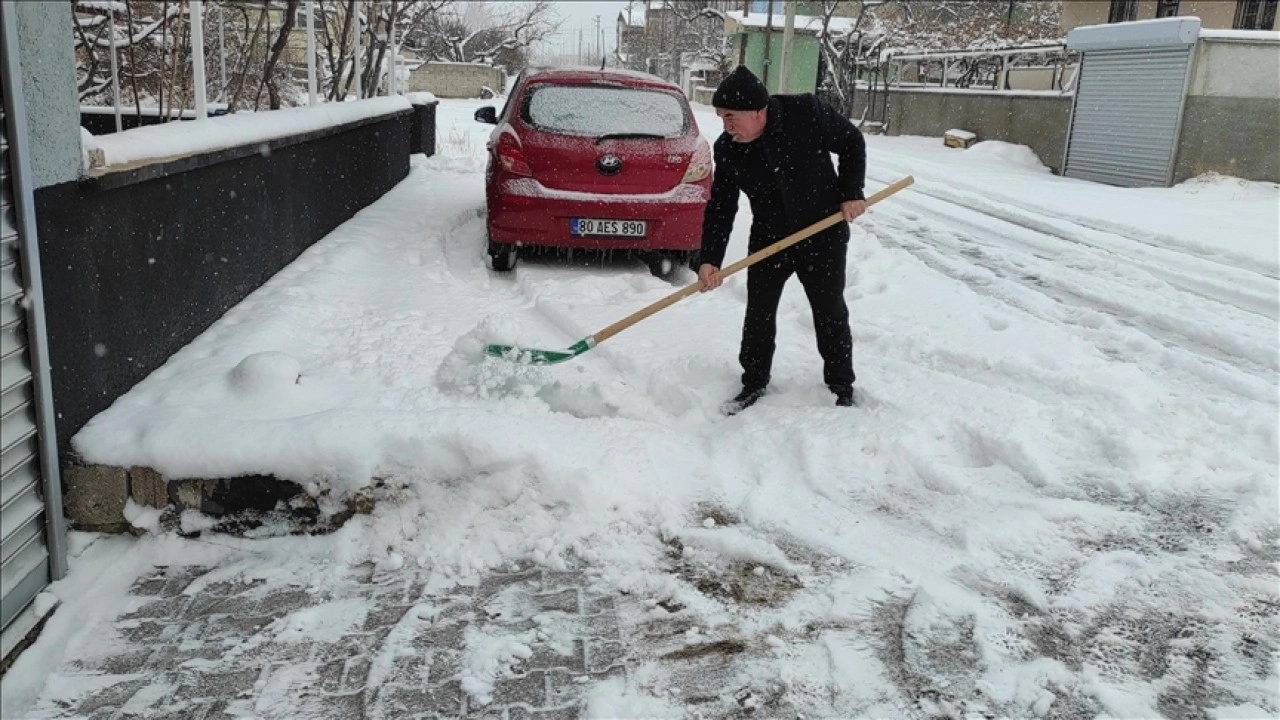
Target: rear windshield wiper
{"x":629,"y":136}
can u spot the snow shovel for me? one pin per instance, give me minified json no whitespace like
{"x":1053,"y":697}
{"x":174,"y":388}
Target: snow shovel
{"x":530,"y":356}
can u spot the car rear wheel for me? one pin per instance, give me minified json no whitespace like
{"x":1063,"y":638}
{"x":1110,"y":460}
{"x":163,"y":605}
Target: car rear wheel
{"x":502,"y":257}
{"x":664,"y":265}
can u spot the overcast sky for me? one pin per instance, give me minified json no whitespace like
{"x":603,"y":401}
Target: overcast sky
{"x":580,"y":15}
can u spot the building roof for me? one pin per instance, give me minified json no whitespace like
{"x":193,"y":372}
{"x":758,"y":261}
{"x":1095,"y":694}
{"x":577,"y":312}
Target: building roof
{"x":810,"y":24}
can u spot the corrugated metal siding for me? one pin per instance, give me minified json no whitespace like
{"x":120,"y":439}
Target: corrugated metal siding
{"x":1127,"y":115}
{"x":24,"y":554}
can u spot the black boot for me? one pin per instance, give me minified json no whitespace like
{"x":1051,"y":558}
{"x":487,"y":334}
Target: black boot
{"x":844,"y":396}
{"x":742,"y":400}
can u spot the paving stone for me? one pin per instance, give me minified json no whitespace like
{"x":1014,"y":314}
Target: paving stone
{"x":453,"y":608}
{"x":412,"y":669}
{"x":396,"y":701}
{"x":446,"y":665}
{"x":283,"y":602}
{"x":341,"y":707}
{"x":555,"y":580}
{"x":153,"y":585}
{"x":529,"y":688}
{"x":178,"y":654}
{"x":602,"y":655}
{"x":111,"y":697}
{"x":545,"y":658}
{"x":195,"y":711}
{"x":166,"y":608}
{"x":602,"y":625}
{"x":386,"y":616}
{"x":220,"y":684}
{"x":450,"y":635}
{"x":567,"y":712}
{"x":181,"y":576}
{"x":231,"y":587}
{"x":567,"y":688}
{"x":243,"y":626}
{"x":143,"y":631}
{"x":493,"y":584}
{"x":564,"y":600}
{"x":202,"y":605}
{"x":595,"y":603}
{"x":397,"y":590}
{"x":120,"y":664}
{"x":356,"y":673}
{"x":328,"y":675}
{"x":219,"y":650}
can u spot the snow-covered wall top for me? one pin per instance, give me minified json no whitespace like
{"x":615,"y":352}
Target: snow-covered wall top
{"x":1260,"y":36}
{"x":420,"y":98}
{"x":154,"y":143}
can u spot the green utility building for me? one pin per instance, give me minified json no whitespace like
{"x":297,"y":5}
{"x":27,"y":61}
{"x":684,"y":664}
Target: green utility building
{"x":758,"y":44}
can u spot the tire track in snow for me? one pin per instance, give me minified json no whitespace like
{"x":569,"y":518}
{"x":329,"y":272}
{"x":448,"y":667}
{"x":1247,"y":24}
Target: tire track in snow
{"x":1250,"y":289}
{"x":1020,"y":275}
{"x":1164,"y":250}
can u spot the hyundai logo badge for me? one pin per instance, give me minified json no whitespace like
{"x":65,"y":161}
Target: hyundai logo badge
{"x":609,"y":164}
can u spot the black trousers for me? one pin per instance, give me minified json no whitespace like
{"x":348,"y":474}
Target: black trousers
{"x":820,"y":264}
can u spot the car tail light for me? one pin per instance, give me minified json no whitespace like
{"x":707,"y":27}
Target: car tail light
{"x":512,"y":156}
{"x":699,"y":164}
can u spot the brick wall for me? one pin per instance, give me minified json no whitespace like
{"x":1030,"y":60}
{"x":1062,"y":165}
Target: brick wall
{"x":456,"y":80}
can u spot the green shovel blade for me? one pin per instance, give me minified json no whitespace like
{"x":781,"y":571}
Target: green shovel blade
{"x":532,"y":356}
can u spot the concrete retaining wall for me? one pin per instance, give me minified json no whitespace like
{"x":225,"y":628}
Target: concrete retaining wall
{"x":1037,"y":121}
{"x":457,"y":80}
{"x":1231,"y":123}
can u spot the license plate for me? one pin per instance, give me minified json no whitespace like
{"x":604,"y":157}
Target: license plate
{"x":618,"y":228}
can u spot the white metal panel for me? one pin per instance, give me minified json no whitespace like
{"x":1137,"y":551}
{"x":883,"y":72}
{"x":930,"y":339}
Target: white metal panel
{"x":1127,"y":115}
{"x":32,"y":540}
{"x":1162,"y":32}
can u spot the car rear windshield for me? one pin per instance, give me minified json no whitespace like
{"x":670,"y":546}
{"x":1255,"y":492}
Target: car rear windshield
{"x":595,"y":110}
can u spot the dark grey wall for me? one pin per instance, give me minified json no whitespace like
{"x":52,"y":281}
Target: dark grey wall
{"x":1039,"y":122}
{"x":137,"y":263}
{"x":422,"y":129}
{"x":1229,"y":135}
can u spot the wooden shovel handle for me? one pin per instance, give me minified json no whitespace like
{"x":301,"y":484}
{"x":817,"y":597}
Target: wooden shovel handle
{"x":742,"y":264}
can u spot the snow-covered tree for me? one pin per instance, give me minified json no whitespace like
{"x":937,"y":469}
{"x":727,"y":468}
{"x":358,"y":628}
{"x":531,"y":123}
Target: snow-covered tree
{"x":854,"y":49}
{"x":499,"y":33}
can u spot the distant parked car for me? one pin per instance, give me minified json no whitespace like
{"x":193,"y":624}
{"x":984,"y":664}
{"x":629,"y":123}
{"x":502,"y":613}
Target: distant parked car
{"x":599,"y":159}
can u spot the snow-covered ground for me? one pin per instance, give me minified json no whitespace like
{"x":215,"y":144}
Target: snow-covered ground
{"x":1057,"y":497}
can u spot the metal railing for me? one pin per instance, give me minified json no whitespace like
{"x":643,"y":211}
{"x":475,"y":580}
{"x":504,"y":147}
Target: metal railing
{"x":1027,"y":68}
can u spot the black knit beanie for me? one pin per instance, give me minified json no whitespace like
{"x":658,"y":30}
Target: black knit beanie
{"x":741,"y":90}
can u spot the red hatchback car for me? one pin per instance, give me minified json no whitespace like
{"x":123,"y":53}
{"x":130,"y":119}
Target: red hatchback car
{"x":598,"y":159}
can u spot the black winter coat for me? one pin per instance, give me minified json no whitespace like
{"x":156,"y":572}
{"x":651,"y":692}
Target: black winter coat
{"x":787,"y":173}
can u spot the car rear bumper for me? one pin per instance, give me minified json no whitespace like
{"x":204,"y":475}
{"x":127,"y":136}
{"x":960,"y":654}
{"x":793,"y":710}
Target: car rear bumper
{"x":525,"y":212}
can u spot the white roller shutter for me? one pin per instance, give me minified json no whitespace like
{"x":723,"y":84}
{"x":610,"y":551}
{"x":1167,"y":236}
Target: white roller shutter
{"x":1127,"y":112}
{"x":31,"y":527}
